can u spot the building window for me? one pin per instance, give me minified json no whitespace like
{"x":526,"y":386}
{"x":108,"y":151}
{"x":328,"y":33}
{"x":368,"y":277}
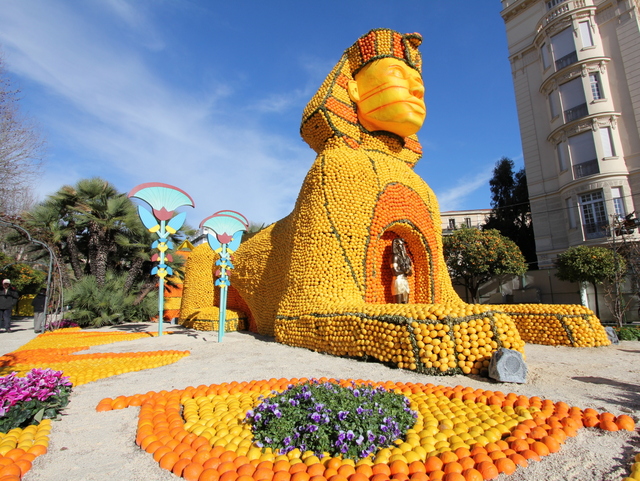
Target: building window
{"x":594,"y":215}
{"x":594,"y":81}
{"x":607,"y":143}
{"x":545,"y":56}
{"x":618,"y":202}
{"x":582,"y":152}
{"x":553,"y":105}
{"x":562,"y":158}
{"x":574,"y":103}
{"x":553,"y":3}
{"x":570,"y":213}
{"x":452,"y":224}
{"x":563,"y":48}
{"x":585,"y":34}
{"x":467,"y":221}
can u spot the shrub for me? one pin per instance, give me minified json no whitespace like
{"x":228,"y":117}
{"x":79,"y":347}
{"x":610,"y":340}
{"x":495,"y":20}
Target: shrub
{"x":352,"y":421}
{"x":97,"y":306}
{"x":629,"y":334}
{"x":42,"y":393}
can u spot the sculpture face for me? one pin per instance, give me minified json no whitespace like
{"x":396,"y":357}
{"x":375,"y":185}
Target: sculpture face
{"x":390,"y":96}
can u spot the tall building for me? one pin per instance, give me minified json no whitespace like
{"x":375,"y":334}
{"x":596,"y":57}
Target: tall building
{"x":576,"y":74}
{"x":455,"y":219}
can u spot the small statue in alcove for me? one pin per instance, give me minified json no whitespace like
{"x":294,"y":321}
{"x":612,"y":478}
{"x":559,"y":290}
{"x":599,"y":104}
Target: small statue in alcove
{"x":401,"y":267}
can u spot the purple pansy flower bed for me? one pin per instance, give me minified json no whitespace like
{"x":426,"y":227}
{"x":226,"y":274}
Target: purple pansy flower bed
{"x":351,"y":421}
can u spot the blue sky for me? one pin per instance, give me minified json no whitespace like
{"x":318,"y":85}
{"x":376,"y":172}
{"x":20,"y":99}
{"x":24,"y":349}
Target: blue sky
{"x":208,"y":95}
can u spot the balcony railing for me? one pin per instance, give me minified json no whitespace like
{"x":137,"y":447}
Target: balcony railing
{"x":568,"y":59}
{"x":576,"y":112}
{"x":595,"y":230}
{"x":583,"y":169}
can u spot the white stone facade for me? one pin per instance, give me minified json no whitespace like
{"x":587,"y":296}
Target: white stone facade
{"x":576,"y":75}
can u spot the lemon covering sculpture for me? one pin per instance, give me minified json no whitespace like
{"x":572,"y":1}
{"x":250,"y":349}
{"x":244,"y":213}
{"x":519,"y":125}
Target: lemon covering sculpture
{"x":321,"y":278}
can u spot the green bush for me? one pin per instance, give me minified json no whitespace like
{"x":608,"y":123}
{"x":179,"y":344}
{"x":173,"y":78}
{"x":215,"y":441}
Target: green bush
{"x":94,"y":306}
{"x":629,"y":334}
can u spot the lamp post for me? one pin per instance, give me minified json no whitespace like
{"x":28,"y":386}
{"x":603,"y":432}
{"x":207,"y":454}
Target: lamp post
{"x":228,"y":227}
{"x":163,"y":199}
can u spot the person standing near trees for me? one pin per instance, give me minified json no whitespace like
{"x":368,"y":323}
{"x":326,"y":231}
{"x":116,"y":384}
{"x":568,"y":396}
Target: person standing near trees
{"x":8,"y":298}
{"x":38,"y":304}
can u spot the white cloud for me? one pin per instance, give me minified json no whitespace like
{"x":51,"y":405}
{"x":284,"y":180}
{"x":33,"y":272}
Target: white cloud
{"x":130,"y":126}
{"x":455,"y":197}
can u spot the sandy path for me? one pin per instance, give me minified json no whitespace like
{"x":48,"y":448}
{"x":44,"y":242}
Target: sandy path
{"x":87,"y":445}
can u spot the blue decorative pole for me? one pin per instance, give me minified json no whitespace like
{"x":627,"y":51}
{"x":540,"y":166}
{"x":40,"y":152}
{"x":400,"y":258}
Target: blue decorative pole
{"x":228,"y":227}
{"x":163,"y":199}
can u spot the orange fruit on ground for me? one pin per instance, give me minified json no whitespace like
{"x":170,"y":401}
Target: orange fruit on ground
{"x":506,"y":466}
{"x":433,"y":463}
{"x":488,"y":470}
{"x":321,"y":478}
{"x":528,"y":454}
{"x":333,"y":463}
{"x":24,"y":466}
{"x":296,"y":468}
{"x":552,"y":444}
{"x":479,"y":458}
{"x":246,"y":469}
{"x":462,"y":453}
{"x":202,"y":457}
{"x":609,"y":426}
{"x":358,"y":477}
{"x":225,"y":456}
{"x":161,"y":451}
{"x":448,"y":457}
{"x":199,"y":441}
{"x":368,"y":471}
{"x":212,"y":463}
{"x":570,"y":432}
{"x":625,"y":422}
{"x":281,"y":465}
{"x":420,"y":477}
{"x":225,"y":467}
{"x":400,"y":477}
{"x":436,"y":475}
{"x":497,"y":455}
{"x":381,"y":468}
{"x":263,"y":474}
{"x":417,"y":467}
{"x":209,"y":474}
{"x":378,"y":477}
{"x":299,"y":476}
{"x":472,"y":474}
{"x":540,"y":448}
{"x":337,"y":477}
{"x":453,"y":477}
{"x":244,"y":477}
{"x":316,"y":469}
{"x":347,"y":470}
{"x":192,"y":471}
{"x":188,"y":453}
{"x":538,"y":433}
{"x":229,"y":476}
{"x":399,"y":466}
{"x":453,"y":467}
{"x":153,"y":447}
{"x":179,"y":466}
{"x":37,"y":449}
{"x":590,"y":421}
{"x":281,"y":476}
{"x":169,"y":460}
{"x":519,"y":460}
{"x":606,"y":417}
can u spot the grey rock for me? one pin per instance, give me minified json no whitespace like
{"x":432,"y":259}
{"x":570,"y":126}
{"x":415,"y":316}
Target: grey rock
{"x":612,"y":335}
{"x":507,"y":365}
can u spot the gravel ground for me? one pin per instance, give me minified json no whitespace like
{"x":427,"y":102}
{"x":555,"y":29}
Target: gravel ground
{"x":87,"y":445}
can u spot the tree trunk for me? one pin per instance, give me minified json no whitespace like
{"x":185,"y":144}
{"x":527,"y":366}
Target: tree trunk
{"x":134,"y":271}
{"x":595,"y":289}
{"x":74,"y":254}
{"x":146,"y":289}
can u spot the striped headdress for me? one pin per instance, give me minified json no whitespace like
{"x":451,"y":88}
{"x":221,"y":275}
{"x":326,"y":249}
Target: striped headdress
{"x":331,"y":114}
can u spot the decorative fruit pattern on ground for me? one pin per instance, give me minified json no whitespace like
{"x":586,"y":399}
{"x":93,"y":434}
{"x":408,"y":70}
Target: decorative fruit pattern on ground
{"x":557,"y":324}
{"x":56,"y":350}
{"x":198,"y":433}
{"x":19,"y":447}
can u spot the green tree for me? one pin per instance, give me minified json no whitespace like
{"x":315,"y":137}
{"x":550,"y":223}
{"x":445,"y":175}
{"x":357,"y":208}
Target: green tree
{"x":511,"y":211}
{"x":589,"y":264}
{"x":473,"y":257}
{"x":24,"y":278}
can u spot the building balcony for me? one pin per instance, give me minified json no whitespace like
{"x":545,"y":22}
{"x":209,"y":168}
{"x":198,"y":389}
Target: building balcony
{"x":576,"y":113}
{"x":583,"y":169}
{"x":561,"y":9}
{"x":567,"y":60}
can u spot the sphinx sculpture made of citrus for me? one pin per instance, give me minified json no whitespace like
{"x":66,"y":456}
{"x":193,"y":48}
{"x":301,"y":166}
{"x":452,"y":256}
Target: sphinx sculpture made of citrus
{"x":321,"y":277}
